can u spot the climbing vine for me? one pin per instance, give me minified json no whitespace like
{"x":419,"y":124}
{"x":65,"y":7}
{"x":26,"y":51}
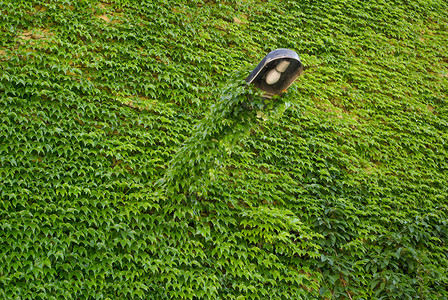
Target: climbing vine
{"x":135,"y":163}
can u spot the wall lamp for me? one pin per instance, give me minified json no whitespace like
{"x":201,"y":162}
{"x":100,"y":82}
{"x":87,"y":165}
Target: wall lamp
{"x":276,"y":72}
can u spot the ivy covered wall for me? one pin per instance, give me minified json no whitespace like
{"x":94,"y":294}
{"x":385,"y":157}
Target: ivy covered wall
{"x":343,"y":195}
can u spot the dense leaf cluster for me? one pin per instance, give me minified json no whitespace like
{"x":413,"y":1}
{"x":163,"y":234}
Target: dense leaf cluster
{"x":131,"y":166}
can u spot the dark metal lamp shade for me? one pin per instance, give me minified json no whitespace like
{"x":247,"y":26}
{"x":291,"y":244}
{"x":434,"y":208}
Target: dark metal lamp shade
{"x":276,"y":72}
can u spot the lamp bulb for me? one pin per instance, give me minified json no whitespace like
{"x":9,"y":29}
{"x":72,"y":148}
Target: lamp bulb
{"x":273,"y":76}
{"x":282,"y":66}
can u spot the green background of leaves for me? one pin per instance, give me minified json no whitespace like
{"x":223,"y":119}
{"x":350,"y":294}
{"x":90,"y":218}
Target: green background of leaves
{"x":343,"y":196}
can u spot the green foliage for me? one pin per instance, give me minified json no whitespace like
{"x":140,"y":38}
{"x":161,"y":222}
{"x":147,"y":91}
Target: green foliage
{"x":229,"y":122}
{"x":342,"y":195}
